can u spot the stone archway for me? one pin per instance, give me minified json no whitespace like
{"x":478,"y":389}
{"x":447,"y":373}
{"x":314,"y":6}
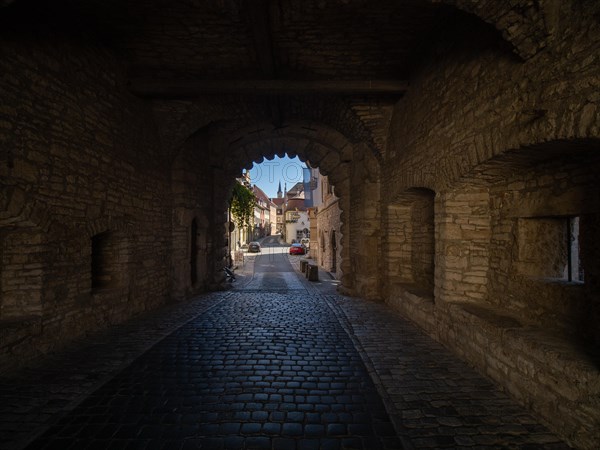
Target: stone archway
{"x":527,"y":26}
{"x":323,"y":146}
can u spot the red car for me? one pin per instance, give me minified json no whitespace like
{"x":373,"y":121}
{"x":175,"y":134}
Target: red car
{"x":297,"y":249}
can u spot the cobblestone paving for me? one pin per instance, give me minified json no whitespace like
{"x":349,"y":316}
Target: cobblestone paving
{"x":276,"y":363}
{"x":281,"y":281}
{"x":435,"y":400}
{"x":256,"y":371}
{"x":33,"y":397}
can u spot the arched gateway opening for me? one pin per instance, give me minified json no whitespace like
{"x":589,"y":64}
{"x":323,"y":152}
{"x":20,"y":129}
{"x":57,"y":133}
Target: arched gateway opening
{"x":352,"y":168}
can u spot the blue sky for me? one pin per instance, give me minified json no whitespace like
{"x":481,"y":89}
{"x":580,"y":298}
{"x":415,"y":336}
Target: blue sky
{"x":268,"y":174}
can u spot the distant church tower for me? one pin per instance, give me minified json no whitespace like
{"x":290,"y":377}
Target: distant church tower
{"x":279,"y":193}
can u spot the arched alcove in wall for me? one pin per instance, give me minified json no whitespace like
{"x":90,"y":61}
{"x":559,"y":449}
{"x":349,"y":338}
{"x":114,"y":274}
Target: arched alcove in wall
{"x":543,"y":216}
{"x":410,"y":244}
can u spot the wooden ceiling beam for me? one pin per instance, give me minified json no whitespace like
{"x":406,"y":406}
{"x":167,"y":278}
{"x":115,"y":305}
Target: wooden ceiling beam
{"x":195,"y":88}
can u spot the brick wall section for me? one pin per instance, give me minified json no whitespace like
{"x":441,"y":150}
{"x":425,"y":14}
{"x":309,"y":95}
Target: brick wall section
{"x":83,"y":151}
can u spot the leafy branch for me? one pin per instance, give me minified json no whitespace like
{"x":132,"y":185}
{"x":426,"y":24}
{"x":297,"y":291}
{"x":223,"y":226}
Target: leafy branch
{"x":242,"y":204}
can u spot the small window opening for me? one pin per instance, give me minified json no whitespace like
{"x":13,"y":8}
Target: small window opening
{"x":101,"y":274}
{"x":194,"y":253}
{"x":333,"y":251}
{"x":550,"y":247}
{"x":574,"y":268}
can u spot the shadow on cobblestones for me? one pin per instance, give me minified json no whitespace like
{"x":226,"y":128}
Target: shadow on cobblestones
{"x":258,"y":371}
{"x":276,"y":363}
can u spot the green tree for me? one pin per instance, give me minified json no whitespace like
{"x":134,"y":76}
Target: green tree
{"x":241,"y":205}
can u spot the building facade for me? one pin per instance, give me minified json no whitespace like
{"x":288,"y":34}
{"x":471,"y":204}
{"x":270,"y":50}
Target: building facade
{"x":326,"y":237}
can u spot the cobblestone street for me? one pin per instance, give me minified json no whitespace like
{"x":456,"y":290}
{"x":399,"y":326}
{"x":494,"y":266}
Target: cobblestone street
{"x":275,"y":363}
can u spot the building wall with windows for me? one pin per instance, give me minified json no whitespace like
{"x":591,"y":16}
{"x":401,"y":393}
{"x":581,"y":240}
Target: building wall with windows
{"x":328,"y":248}
{"x":297,"y":224}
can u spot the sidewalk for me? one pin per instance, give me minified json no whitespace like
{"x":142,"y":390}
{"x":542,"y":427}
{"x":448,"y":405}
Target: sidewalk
{"x":434,"y":399}
{"x":244,"y":270}
{"x":38,"y":396}
{"x":326,"y":285}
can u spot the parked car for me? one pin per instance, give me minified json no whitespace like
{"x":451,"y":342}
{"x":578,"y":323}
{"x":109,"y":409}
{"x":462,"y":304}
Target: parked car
{"x":297,"y":249}
{"x":253,"y":247}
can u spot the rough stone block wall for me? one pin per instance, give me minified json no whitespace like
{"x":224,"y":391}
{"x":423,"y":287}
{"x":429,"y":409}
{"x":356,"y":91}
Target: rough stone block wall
{"x":470,"y":108}
{"x":364,"y":217}
{"x":463,"y":237}
{"x":328,"y":223}
{"x":529,"y":247}
{"x":21,"y":273}
{"x":410,"y":242}
{"x":80,"y":158}
{"x":191,"y":187}
{"x":398,"y":239}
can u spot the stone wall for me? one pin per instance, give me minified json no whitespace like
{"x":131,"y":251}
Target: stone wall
{"x":85,"y":222}
{"x":410,"y":241}
{"x":192,"y":268}
{"x":329,"y":241}
{"x":363,"y":215}
{"x":510,"y":149}
{"x":533,"y":244}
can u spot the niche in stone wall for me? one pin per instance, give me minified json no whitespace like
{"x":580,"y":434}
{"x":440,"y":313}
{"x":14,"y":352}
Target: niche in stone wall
{"x":110,"y":254}
{"x":322,"y":248}
{"x":545,"y":237}
{"x":197,"y":253}
{"x":194,"y":253}
{"x":333,"y":252}
{"x":549,"y":248}
{"x":198,"y":245}
{"x":410,"y":242}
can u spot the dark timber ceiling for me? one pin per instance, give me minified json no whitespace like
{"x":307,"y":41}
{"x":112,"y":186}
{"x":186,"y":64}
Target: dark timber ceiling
{"x":253,"y":39}
{"x":180,"y":53}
